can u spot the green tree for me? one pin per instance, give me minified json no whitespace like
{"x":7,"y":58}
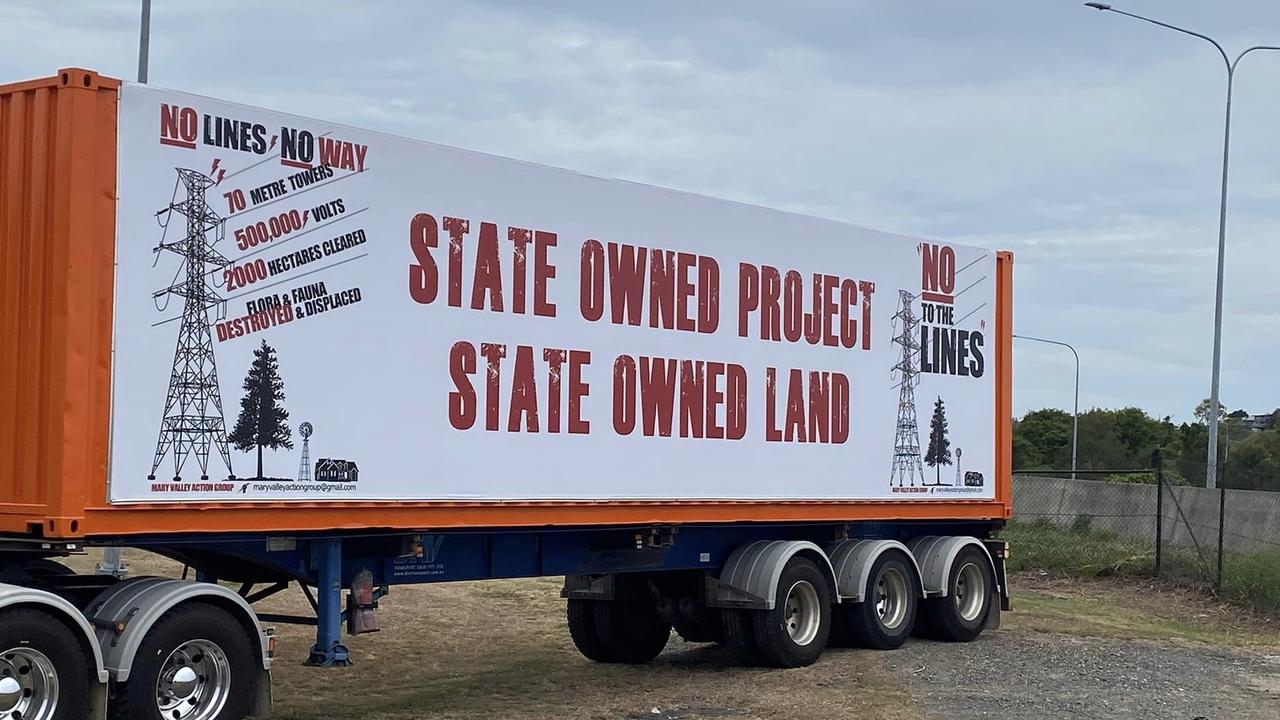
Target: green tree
{"x":263,"y":421}
{"x":939,"y":452}
{"x":1042,"y":440}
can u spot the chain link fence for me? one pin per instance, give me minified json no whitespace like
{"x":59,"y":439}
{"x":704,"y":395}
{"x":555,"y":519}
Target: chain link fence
{"x":1226,"y":540}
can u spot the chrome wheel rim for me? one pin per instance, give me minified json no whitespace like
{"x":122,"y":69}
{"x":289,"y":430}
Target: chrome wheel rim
{"x":971,"y":591}
{"x":802,"y":613}
{"x":194,"y":682}
{"x":28,"y":685}
{"x":891,"y":598}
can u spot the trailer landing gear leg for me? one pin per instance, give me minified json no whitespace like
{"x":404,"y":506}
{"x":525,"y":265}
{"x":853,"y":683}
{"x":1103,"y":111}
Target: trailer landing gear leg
{"x":329,"y":650}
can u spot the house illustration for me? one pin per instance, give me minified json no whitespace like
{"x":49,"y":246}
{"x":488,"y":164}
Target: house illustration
{"x":335,"y":470}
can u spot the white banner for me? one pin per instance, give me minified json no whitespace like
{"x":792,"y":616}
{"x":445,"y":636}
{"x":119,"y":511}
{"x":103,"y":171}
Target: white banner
{"x":306,"y":311}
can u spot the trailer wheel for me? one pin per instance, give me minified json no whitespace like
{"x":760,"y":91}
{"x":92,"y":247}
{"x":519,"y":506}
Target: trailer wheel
{"x":886,"y":616}
{"x":794,"y":633}
{"x":44,"y":673}
{"x":962,"y":613}
{"x":740,"y":635}
{"x":582,"y":629}
{"x":195,"y":663}
{"x":705,"y":629}
{"x":630,"y":629}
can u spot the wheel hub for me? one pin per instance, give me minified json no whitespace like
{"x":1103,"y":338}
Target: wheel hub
{"x":802,"y":613}
{"x":970,"y":592}
{"x":28,"y":685}
{"x":891,"y":598}
{"x":194,"y":682}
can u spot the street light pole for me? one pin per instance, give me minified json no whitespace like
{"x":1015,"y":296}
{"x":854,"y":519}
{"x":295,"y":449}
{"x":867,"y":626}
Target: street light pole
{"x":1211,"y":464}
{"x":1075,"y":410}
{"x":144,"y":41}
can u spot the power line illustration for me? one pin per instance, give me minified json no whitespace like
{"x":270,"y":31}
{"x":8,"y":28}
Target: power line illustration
{"x":193,"y":418}
{"x":304,"y":468}
{"x":907,"y":466}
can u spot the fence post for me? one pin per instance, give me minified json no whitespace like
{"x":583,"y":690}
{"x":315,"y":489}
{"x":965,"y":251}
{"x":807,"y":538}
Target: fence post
{"x":1159,"y":507}
{"x":1222,"y":519}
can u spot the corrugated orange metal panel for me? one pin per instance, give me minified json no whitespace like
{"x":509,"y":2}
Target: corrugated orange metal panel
{"x":57,"y":241}
{"x":57,"y":221}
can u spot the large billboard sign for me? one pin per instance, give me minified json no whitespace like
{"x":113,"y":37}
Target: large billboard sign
{"x":306,"y":311}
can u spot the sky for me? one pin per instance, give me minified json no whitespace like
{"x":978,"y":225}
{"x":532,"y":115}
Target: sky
{"x":1088,"y":143}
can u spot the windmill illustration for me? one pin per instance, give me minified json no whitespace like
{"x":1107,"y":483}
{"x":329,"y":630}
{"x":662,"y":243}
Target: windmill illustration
{"x":304,"y":469}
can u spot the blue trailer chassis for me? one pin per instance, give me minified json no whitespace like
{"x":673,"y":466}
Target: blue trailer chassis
{"x":330,"y":561}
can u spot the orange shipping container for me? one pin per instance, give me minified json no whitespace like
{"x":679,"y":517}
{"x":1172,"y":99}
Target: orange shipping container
{"x":58,"y":224}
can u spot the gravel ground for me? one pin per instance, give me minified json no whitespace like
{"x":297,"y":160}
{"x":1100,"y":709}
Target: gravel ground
{"x":1011,"y":674}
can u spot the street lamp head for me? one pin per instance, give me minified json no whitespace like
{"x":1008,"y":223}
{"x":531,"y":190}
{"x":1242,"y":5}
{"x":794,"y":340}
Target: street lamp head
{"x":1098,"y":5}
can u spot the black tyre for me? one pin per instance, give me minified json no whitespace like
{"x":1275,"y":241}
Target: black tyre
{"x":885,"y":618}
{"x":794,"y":633}
{"x":961,"y":615}
{"x":43,"y":668}
{"x":705,"y":629}
{"x":630,"y":629}
{"x":740,"y":635}
{"x":582,"y":629}
{"x":195,"y":662}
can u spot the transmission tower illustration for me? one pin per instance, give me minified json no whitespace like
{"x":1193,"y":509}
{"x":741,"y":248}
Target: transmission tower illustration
{"x":304,"y":468}
{"x":907,"y":466}
{"x":193,"y":419}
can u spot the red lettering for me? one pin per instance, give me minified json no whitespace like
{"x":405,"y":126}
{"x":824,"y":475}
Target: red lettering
{"x":462,"y":402}
{"x":748,"y":294}
{"x":624,"y":395}
{"x":488,"y":274}
{"x":691,"y":398}
{"x":867,"y":289}
{"x":456,"y":227}
{"x":493,"y":353}
{"x":543,"y":273}
{"x":829,"y":309}
{"x":591,"y":281}
{"x":708,"y":294}
{"x":657,"y":394}
{"x":839,"y":408}
{"x":771,"y":431}
{"x":715,"y":430}
{"x":771,"y":288}
{"x":662,"y":288}
{"x":792,"y":306}
{"x":577,"y":390}
{"x":423,"y":275}
{"x":684,"y":290}
{"x":524,"y":393}
{"x":819,"y":406}
{"x":794,"y":423}
{"x":736,"y":402}
{"x":555,"y":359}
{"x":848,"y":325}
{"x":520,"y":239}
{"x":626,"y":283}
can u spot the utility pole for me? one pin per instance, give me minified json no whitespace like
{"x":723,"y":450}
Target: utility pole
{"x":144,"y":41}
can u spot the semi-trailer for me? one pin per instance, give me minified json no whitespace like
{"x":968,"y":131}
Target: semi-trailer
{"x":287,"y":352}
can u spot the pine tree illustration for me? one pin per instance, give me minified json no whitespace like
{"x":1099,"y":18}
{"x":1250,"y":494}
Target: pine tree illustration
{"x":263,"y":421}
{"x":939,"y":452}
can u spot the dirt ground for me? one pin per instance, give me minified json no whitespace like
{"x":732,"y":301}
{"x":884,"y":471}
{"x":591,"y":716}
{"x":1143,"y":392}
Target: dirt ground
{"x":1096,"y":649}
